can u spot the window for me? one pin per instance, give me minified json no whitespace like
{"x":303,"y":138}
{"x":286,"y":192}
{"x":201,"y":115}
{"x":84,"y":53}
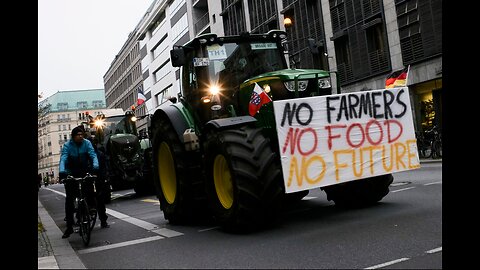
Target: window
{"x":97,"y":103}
{"x":62,"y":106}
{"x":164,"y":94}
{"x":160,"y":47}
{"x":162,"y":71}
{"x":377,"y":51}
{"x":82,"y":104}
{"x":157,"y":23}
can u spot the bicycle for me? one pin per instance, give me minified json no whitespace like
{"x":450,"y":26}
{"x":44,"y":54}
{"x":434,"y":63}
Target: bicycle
{"x":424,"y":145}
{"x":86,"y":216}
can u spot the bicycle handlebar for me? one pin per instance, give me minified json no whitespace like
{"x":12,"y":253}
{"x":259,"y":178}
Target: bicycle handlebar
{"x":70,"y":178}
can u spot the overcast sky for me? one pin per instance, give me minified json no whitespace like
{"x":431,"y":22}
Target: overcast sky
{"x":78,"y":40}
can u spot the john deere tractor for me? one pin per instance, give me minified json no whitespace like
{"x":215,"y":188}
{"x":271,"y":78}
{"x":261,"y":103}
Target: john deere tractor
{"x":213,"y":155}
{"x":116,"y":137}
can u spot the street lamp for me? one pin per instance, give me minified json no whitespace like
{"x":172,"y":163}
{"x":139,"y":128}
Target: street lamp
{"x":287,"y":22}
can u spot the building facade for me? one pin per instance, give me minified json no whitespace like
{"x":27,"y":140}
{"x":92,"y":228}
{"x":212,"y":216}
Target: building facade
{"x":359,"y":41}
{"x":66,"y":110}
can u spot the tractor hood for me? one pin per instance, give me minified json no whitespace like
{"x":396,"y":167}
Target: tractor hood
{"x":286,"y":75}
{"x":125,"y":144}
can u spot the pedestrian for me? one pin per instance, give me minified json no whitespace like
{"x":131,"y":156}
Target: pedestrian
{"x":39,"y":180}
{"x":45,"y":180}
{"x":77,"y":158}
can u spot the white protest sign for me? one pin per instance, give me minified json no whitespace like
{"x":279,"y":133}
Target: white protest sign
{"x":327,"y":140}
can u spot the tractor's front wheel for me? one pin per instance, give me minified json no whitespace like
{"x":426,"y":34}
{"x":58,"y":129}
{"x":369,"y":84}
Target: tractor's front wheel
{"x":244,"y":183}
{"x":177,"y":176}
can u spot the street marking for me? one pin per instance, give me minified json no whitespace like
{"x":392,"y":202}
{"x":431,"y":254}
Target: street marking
{"x":143,"y":224}
{"x":387,"y":263}
{"x":306,"y":198}
{"x":117,"y":195}
{"x":435,"y":250}
{"x":137,"y":222}
{"x":402,"y":189}
{"x":433,"y":183}
{"x":209,"y":229}
{"x":58,"y":192}
{"x":155,"y":202}
{"x":117,"y":245}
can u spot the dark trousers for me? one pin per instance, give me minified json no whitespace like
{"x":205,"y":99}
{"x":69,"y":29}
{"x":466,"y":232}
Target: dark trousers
{"x":100,"y":186}
{"x":94,"y":200}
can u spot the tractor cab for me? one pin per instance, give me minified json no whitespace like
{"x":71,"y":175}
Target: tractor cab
{"x":220,"y":73}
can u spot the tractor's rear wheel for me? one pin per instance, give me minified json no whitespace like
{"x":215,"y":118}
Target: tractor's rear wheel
{"x":359,"y":193}
{"x":244,"y":181}
{"x":177,"y":176}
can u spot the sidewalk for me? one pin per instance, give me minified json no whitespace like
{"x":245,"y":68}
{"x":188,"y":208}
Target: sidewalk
{"x":53,"y":251}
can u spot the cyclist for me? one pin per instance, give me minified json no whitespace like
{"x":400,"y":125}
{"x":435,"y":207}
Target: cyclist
{"x":77,"y":158}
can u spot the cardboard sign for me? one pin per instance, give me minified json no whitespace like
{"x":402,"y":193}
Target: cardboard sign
{"x":328,"y":140}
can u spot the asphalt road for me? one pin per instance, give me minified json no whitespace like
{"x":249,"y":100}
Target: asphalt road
{"x":403,"y":231}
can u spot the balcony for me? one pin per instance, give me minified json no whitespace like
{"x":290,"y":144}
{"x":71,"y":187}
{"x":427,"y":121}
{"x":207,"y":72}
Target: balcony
{"x":201,"y":23}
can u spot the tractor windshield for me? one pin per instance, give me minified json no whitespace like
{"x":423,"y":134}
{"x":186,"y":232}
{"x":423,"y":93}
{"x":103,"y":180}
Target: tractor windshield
{"x":230,"y":64}
{"x":119,"y":125}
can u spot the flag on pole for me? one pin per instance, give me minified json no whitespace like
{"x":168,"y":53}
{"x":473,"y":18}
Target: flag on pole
{"x":257,"y":99}
{"x":397,"y":78}
{"x":141,"y":97}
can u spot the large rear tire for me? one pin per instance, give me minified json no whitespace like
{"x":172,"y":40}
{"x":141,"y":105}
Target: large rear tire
{"x":359,"y":193}
{"x":177,"y":176}
{"x":244,"y":181}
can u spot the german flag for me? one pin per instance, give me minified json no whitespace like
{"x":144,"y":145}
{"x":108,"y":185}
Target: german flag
{"x":397,"y":78}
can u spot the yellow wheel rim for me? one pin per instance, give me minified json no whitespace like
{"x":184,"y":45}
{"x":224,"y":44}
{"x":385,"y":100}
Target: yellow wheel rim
{"x":166,"y":171}
{"x":223,"y":181}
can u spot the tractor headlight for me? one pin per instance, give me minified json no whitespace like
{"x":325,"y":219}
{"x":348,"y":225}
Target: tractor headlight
{"x":98,"y":123}
{"x":214,"y":90}
{"x":267,"y":88}
{"x":324,"y":83}
{"x":290,"y":85}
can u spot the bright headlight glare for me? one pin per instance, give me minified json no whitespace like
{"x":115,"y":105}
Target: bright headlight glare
{"x":98,"y":123}
{"x":133,"y":118}
{"x":324,"y":83}
{"x":214,"y":90}
{"x":302,"y":85}
{"x":266,"y":88}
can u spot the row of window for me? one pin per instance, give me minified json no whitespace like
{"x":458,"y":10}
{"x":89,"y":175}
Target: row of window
{"x":359,"y":31}
{"x":63,"y":106}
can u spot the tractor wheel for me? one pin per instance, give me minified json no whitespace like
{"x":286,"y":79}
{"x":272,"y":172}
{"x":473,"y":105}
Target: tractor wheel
{"x":359,"y":193}
{"x":244,"y":181}
{"x":177,"y":176}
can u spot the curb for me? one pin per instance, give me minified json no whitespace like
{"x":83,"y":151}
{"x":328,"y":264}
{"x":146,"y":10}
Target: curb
{"x":431,"y":160}
{"x":64,"y":257}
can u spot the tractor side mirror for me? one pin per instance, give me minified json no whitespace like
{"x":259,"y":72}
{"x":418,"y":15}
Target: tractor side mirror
{"x":177,"y":55}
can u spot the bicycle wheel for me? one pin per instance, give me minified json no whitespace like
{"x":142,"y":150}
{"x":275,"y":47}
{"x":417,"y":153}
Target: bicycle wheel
{"x":85,"y":222}
{"x":93,"y":218}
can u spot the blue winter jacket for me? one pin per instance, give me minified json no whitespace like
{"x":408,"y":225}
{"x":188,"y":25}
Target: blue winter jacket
{"x":77,"y":160}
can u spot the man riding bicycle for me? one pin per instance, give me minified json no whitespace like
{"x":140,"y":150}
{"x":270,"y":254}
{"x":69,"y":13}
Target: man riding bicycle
{"x":78,"y":158}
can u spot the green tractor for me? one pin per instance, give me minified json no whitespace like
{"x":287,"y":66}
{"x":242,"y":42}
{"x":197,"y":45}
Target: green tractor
{"x":215,"y":151}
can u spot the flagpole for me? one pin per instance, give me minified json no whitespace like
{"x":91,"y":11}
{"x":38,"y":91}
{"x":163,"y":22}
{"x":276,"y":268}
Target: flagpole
{"x":408,"y":73}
